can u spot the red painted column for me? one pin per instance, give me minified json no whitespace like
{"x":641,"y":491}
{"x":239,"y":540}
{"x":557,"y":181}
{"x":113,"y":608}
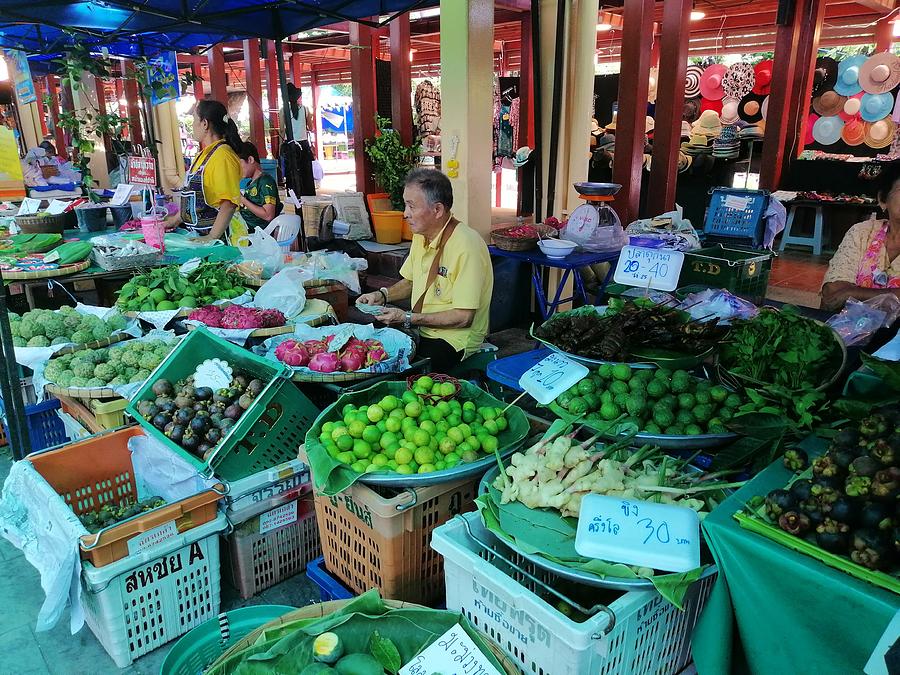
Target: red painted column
{"x":217,"y":83}
{"x":673,"y":45}
{"x":401,"y":79}
{"x":526,"y":78}
{"x":197,"y":72}
{"x":272,"y":98}
{"x":253,"y":81}
{"x":808,"y":47}
{"x":787,"y":42}
{"x":132,"y":104}
{"x":314,"y":86}
{"x":120,"y":96}
{"x":884,"y":35}
{"x":39,"y":92}
{"x":296,"y":69}
{"x":637,"y":24}
{"x":362,"y":71}
{"x":53,"y":93}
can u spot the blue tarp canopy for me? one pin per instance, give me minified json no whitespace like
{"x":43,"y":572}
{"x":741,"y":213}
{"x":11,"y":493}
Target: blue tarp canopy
{"x":144,"y":27}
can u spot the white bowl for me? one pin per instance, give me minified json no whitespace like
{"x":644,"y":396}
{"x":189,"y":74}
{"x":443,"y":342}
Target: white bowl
{"x":556,"y":248}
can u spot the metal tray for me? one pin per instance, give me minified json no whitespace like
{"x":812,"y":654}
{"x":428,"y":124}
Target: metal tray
{"x":698,"y":442}
{"x":399,"y":480}
{"x":597,"y":189}
{"x":614,"y":583}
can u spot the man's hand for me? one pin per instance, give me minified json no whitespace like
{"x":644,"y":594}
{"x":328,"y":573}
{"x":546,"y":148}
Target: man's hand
{"x":391,"y":316}
{"x":370,"y":299}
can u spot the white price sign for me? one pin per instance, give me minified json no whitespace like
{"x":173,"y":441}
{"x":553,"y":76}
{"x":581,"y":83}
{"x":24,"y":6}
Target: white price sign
{"x":28,"y":207}
{"x":122,"y":194}
{"x":453,"y":653}
{"x":655,"y":268}
{"x":150,"y":538}
{"x":661,"y":536}
{"x":551,"y":376}
{"x":283,"y":515}
{"x":57,"y":206}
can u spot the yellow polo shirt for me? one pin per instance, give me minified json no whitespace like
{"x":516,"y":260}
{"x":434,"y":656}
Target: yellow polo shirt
{"x":465,"y":280}
{"x":221,"y":175}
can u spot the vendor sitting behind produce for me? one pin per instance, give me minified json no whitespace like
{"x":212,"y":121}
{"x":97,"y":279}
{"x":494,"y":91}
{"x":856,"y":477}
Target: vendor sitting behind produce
{"x":867,"y":262}
{"x":260,"y":202}
{"x":447,"y":277}
{"x":212,"y":188}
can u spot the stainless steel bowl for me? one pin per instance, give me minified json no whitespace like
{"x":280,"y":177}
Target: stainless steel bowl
{"x":597,"y":189}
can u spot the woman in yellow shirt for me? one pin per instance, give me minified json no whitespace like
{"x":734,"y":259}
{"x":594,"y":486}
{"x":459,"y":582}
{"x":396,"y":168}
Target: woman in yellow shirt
{"x":867,"y":262}
{"x":212,"y":189}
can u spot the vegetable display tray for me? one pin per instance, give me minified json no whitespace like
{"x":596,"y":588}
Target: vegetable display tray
{"x":617,"y":583}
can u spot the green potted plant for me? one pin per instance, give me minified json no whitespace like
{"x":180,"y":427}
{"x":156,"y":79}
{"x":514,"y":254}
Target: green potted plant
{"x":391,"y":162}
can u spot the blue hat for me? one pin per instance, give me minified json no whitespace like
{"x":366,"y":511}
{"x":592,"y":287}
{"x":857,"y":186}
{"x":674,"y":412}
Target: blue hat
{"x":848,"y":75}
{"x":876,"y":106}
{"x":827,"y":130}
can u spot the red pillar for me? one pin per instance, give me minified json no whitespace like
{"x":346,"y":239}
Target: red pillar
{"x":120,"y":96}
{"x":53,"y":93}
{"x":296,"y":69}
{"x":884,"y":35}
{"x":526,"y":77}
{"x":673,"y":45}
{"x":197,"y":72}
{"x":781,"y":99}
{"x":253,"y":82}
{"x":808,"y":47}
{"x":362,"y":70}
{"x":133,"y":104}
{"x":217,"y":82}
{"x":272,"y":98}
{"x":637,"y":23}
{"x":39,"y":92}
{"x":314,"y":86}
{"x":401,"y":79}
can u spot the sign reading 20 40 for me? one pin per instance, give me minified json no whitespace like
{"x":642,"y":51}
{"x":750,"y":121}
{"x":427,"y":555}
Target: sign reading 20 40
{"x":655,"y":268}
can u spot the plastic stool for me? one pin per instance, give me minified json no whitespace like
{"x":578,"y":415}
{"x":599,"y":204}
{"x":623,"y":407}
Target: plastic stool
{"x":815,"y":241}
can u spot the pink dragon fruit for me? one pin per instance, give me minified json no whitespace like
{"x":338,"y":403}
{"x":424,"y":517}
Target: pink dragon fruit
{"x":239,"y":317}
{"x":376,"y":355}
{"x":325,"y":362}
{"x":283,"y":348}
{"x":315,"y":347}
{"x":292,"y":352}
{"x":372,"y":343}
{"x":352,"y":360}
{"x":271,"y":318}
{"x":210,"y":315}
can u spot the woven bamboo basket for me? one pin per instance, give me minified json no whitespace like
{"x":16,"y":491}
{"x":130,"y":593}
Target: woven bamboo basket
{"x":501,"y":239}
{"x":42,"y":224}
{"x":46,"y":274}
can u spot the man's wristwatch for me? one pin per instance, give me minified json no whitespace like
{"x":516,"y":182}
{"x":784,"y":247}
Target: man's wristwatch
{"x":407,"y":320}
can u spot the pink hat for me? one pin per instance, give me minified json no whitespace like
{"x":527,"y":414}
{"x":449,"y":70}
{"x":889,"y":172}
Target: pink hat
{"x":711,"y":82}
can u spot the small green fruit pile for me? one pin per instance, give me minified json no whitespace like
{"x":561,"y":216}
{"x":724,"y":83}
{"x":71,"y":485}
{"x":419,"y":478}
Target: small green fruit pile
{"x":165,"y":288}
{"x":406,"y":435}
{"x":108,"y":515}
{"x":125,"y":363}
{"x":45,"y":327}
{"x":672,"y":403}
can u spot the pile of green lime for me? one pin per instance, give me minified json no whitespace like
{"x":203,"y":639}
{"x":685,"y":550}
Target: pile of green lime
{"x":662,"y":401}
{"x":406,"y":435}
{"x":425,"y":385}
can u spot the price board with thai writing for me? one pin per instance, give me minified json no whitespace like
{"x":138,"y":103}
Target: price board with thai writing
{"x":662,"y":536}
{"x":655,"y":268}
{"x":551,"y":376}
{"x":453,"y":653}
{"x":142,"y":171}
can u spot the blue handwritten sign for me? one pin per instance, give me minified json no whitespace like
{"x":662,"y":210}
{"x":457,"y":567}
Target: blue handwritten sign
{"x":163,"y":76}
{"x":21,"y":76}
{"x":661,"y":536}
{"x":655,"y":268}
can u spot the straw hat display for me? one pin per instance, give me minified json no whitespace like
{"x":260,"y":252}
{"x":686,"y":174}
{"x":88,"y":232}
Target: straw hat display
{"x":825,"y":74}
{"x":711,"y":82}
{"x":875,"y":106}
{"x":854,"y":132}
{"x":729,"y":114}
{"x":750,"y":107}
{"x":829,"y":103}
{"x":880,"y":73}
{"x":762,"y":75}
{"x":612,"y":125}
{"x":691,"y":109}
{"x":697,"y":145}
{"x":654,"y":81}
{"x":827,"y":130}
{"x":685,"y":129}
{"x":709,"y":124}
{"x":852,"y":106}
{"x":649,"y":124}
{"x":684,"y":162}
{"x":738,"y":80}
{"x":848,"y":75}
{"x":692,"y":81}
{"x":880,"y":134}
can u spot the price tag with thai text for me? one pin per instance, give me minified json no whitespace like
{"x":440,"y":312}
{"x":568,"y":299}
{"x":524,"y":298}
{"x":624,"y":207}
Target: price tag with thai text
{"x":453,"y":653}
{"x":151,"y":538}
{"x":283,"y":515}
{"x":662,"y":536}
{"x":213,"y":373}
{"x":551,"y":376}
{"x":28,"y":207}
{"x":657,"y":268}
{"x":57,"y":206}
{"x":121,"y":195}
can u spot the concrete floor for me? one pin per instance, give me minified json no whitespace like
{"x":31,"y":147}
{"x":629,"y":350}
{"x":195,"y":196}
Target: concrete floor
{"x":26,"y":652}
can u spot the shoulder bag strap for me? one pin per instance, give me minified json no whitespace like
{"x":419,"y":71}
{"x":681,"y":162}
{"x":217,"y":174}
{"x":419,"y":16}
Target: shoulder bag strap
{"x":435,"y":264}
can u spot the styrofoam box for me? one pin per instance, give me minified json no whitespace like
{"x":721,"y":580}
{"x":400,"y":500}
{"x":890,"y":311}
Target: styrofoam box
{"x":136,"y":604}
{"x":649,"y":634}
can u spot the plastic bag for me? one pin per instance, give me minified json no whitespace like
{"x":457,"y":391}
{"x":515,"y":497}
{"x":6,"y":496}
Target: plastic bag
{"x":717,"y":303}
{"x":264,"y":249}
{"x":672,"y":227}
{"x":284,"y":291}
{"x":317,"y":171}
{"x":858,"y":321}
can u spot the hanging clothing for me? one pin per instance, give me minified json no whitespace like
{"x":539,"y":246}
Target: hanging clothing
{"x":514,"y":123}
{"x":298,"y":173}
{"x":298,"y":124}
{"x":214,"y":177}
{"x":427,"y":103}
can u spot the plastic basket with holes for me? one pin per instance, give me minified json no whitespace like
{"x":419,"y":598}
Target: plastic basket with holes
{"x":381,"y":540}
{"x":145,"y":600}
{"x":515,"y":605}
{"x":268,"y":433}
{"x":273,"y":544}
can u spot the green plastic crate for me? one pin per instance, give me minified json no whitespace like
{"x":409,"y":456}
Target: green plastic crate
{"x":269,"y":432}
{"x":744,"y":272}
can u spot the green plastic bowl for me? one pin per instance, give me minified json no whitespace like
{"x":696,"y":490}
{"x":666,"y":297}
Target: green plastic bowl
{"x":200,"y":647}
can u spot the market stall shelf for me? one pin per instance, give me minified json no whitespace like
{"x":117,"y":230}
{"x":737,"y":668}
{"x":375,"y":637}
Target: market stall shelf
{"x":61,"y":271}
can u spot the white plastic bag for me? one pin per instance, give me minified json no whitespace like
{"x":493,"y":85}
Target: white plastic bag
{"x":284,"y":291}
{"x":264,"y":249}
{"x":317,"y":171}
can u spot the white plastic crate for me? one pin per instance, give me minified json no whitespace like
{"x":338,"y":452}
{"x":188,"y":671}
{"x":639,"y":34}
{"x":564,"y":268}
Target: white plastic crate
{"x":246,"y":496}
{"x":649,"y":635}
{"x":136,"y":604}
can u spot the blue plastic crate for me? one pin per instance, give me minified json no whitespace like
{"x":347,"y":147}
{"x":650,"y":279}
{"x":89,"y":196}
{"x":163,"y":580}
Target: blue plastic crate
{"x":730,"y":224}
{"x":329,"y":587}
{"x":507,"y":371}
{"x":45,"y":429}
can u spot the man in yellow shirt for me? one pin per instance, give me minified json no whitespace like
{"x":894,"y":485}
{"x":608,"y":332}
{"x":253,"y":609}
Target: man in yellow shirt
{"x":447,"y":277}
